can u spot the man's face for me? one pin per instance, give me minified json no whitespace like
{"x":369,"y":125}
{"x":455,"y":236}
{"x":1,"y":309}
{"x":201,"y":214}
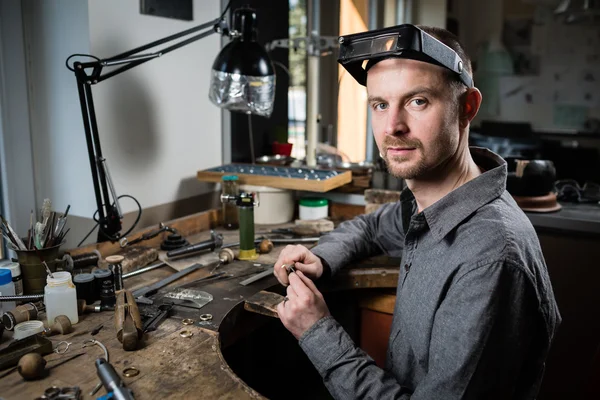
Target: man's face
{"x":414,"y":116}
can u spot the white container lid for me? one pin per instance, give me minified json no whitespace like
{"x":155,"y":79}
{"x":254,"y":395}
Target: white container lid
{"x":59,"y":278}
{"x":28,"y":328}
{"x":15,"y":268}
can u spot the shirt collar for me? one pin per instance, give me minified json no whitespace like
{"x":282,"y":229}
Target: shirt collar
{"x":445,"y":214}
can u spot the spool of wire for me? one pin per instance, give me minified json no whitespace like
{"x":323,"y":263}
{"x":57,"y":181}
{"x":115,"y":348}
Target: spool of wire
{"x":83,"y":260}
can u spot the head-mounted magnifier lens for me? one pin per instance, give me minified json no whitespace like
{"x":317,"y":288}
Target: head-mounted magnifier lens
{"x":404,"y":41}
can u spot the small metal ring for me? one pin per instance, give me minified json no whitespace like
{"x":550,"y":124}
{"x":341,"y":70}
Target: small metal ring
{"x":187,"y":321}
{"x":131,"y":371}
{"x":206,"y":317}
{"x":186,"y":334}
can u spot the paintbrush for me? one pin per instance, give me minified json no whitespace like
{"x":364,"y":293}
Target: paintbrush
{"x":12,"y":234}
{"x":49,"y":230}
{"x":30,"y":231}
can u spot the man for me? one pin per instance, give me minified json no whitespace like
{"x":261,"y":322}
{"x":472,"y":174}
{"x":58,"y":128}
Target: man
{"x":475,"y":312}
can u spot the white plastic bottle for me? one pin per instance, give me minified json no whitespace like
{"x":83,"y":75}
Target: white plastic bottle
{"x":60,"y":297}
{"x":7,"y":288}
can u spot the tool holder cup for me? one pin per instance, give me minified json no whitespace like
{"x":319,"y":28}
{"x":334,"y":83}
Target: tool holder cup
{"x":33,"y":271}
{"x":245,"y":202}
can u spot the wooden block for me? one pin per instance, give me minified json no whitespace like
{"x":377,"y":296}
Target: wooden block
{"x":316,"y":226}
{"x":135,"y":258}
{"x":380,"y":196}
{"x":264,"y":303}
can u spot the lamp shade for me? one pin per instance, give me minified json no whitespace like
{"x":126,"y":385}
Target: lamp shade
{"x":243,"y":77}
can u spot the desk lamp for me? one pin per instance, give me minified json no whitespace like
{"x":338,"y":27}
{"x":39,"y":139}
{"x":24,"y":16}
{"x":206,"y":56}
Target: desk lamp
{"x":242,"y":79}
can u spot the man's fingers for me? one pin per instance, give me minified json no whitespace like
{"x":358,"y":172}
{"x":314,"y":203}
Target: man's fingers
{"x":280,"y":309}
{"x":299,"y":286}
{"x":308,"y":282}
{"x":292,"y":292}
{"x":289,"y":255}
{"x":281,"y":275}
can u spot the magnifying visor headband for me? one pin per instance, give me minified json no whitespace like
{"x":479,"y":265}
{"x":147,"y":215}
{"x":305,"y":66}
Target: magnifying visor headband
{"x":403,"y":41}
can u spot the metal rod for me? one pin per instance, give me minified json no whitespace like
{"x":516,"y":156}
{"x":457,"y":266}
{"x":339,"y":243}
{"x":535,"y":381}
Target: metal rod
{"x":259,"y":276}
{"x":167,"y":39}
{"x":145,"y":269}
{"x":111,"y":186}
{"x":85,"y":113}
{"x":26,"y":297}
{"x":110,"y":63}
{"x":161,"y":53}
{"x":98,"y":155}
{"x":251,"y":136}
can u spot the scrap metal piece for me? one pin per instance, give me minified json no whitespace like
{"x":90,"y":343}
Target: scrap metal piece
{"x":198,"y":298}
{"x":141,"y":294}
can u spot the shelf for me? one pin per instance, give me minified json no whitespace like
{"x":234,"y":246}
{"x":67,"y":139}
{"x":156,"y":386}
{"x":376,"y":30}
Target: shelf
{"x":304,"y":178}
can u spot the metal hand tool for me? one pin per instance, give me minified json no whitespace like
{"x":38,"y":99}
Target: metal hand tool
{"x":161,"y":228}
{"x":128,"y":322}
{"x":112,"y":382}
{"x":215,"y":242}
{"x":225,"y":257}
{"x":140,"y":294}
{"x":152,"y":323}
{"x":150,"y":267}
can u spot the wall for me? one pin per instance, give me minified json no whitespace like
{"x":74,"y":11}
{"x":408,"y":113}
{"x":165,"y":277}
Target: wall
{"x":430,"y":12}
{"x":555,"y":84}
{"x":16,"y":165}
{"x":157,"y":125}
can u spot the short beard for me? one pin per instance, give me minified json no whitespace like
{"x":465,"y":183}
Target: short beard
{"x":399,"y":172}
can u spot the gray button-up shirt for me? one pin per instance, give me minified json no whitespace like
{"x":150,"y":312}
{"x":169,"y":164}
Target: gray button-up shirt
{"x":475,"y":313}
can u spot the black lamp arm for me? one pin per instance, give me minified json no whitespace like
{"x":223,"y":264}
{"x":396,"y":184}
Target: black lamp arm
{"x":109,"y":216}
{"x":132,"y":60}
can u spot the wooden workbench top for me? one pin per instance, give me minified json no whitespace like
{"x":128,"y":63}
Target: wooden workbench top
{"x":172,"y":366}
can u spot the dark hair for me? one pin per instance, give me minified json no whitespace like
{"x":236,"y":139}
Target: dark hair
{"x":450,"y":40}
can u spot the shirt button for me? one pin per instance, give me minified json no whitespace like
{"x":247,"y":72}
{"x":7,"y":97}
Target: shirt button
{"x":407,"y":267}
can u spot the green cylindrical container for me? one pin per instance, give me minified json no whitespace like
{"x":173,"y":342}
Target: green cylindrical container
{"x":246,"y":218}
{"x":32,"y":269}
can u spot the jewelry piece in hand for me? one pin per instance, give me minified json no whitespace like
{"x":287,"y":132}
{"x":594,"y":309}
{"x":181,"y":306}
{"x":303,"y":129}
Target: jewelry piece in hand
{"x":289,"y":268}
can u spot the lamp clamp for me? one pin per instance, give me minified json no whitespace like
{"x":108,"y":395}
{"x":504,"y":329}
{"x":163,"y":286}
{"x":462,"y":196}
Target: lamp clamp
{"x":314,"y":44}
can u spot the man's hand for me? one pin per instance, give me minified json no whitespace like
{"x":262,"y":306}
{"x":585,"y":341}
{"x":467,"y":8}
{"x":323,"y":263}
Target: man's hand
{"x":301,"y":259}
{"x":304,"y":305}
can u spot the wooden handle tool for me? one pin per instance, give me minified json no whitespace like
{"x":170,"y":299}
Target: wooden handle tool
{"x":128,"y":321}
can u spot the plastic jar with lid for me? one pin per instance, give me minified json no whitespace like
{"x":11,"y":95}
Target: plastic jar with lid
{"x":311,"y":208}
{"x":229,"y":186}
{"x":7,"y":288}
{"x":60,"y":297}
{"x":15,"y":270}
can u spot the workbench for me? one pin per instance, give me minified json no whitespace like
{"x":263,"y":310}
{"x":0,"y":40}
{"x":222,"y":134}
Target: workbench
{"x":172,"y":366}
